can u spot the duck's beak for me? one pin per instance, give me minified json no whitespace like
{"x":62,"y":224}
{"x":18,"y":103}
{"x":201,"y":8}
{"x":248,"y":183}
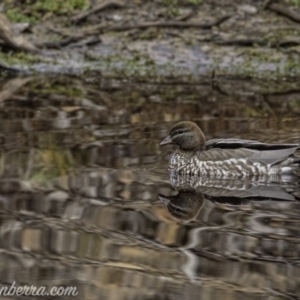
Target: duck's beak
{"x":166,"y":141}
{"x":164,"y":199}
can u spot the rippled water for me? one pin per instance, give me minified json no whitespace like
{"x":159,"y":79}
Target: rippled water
{"x":86,"y":201}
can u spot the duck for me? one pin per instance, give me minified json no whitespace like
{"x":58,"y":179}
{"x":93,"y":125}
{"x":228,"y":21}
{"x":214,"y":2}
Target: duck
{"x":227,"y":157}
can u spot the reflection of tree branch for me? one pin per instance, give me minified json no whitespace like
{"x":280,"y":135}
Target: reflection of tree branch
{"x":11,"y":86}
{"x":268,"y":107}
{"x":2,"y":161}
{"x":284,"y":93}
{"x":30,"y":163}
{"x":215,"y":87}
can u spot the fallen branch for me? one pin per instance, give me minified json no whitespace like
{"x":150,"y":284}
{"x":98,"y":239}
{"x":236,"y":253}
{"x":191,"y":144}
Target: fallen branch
{"x":186,"y":16}
{"x":62,"y":43}
{"x":283,"y":10}
{"x":15,"y":42}
{"x":257,"y":42}
{"x":287,"y":43}
{"x":172,"y":24}
{"x":101,"y":28}
{"x":267,"y":3}
{"x":241,"y":42}
{"x":69,"y":38}
{"x":102,"y":6}
{"x":91,"y":30}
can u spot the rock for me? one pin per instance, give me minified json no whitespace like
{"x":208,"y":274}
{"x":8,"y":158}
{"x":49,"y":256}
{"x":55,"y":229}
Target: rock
{"x":248,"y":9}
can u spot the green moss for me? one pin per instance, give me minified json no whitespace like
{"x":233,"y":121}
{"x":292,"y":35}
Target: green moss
{"x":181,"y":2}
{"x":134,"y":67}
{"x":292,"y":66}
{"x":149,"y":34}
{"x":59,"y":7}
{"x":173,"y":11}
{"x":19,"y":58}
{"x":15,"y":16}
{"x":33,"y":11}
{"x":294,"y":2}
{"x":174,"y":6}
{"x":194,"y":2}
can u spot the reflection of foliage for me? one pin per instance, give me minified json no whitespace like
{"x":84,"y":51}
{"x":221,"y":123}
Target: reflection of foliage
{"x":51,"y":163}
{"x":39,"y":165}
{"x":57,"y":86}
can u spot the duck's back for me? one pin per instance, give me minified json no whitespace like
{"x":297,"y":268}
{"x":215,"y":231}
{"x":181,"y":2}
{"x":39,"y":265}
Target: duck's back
{"x":234,"y":157}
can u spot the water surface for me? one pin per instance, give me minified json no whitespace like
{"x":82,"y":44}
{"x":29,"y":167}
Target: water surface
{"x":86,"y":199}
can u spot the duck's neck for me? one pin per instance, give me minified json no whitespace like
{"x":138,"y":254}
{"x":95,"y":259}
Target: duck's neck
{"x":184,"y":155}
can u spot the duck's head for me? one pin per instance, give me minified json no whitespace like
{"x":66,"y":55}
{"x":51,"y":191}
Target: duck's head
{"x":187,"y":135}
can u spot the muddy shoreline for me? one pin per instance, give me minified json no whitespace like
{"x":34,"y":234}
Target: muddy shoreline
{"x":158,"y":39}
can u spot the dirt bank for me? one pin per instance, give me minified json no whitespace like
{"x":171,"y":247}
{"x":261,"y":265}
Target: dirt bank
{"x":154,"y":39}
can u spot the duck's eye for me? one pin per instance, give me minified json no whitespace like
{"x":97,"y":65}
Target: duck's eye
{"x":180,"y":131}
{"x":178,"y":210}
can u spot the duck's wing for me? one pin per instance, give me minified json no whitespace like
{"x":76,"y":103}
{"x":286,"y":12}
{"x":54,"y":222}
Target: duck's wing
{"x":271,"y":157}
{"x":248,"y":144}
{"x":256,"y":152}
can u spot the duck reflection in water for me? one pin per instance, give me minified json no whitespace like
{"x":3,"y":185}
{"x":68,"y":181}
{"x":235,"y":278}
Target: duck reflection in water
{"x":185,"y":205}
{"x":194,"y":190}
